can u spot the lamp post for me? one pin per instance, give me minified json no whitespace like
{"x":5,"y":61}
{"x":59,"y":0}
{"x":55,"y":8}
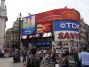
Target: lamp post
{"x":19,"y":30}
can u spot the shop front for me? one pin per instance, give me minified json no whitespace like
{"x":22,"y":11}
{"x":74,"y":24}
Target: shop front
{"x":41,"y":40}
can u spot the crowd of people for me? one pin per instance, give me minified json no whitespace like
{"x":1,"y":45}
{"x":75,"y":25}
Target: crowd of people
{"x":33,"y":57}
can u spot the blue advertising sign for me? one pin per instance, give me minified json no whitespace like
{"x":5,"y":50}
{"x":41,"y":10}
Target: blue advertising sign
{"x":65,"y":25}
{"x":44,"y":43}
{"x":28,"y":25}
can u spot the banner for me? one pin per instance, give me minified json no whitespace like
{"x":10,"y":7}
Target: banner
{"x":28,"y":25}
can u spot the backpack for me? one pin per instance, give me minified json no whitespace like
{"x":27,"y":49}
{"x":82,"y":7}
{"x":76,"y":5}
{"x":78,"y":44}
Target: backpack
{"x":33,"y":61}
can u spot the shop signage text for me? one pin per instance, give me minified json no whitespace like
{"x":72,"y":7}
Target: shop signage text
{"x":66,"y":25}
{"x":68,"y":35}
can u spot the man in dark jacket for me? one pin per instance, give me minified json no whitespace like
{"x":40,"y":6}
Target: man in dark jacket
{"x":33,"y":60}
{"x":77,"y":57}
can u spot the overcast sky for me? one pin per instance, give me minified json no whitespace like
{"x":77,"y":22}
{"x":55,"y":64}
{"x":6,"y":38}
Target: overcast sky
{"x":14,"y":7}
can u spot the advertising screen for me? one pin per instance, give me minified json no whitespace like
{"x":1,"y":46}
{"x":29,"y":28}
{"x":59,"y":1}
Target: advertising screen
{"x":66,"y":30}
{"x":66,"y":26}
{"x":43,"y":43}
{"x":44,"y":27}
{"x":47,"y":26}
{"x":66,"y":35}
{"x":47,"y":34}
{"x":36,"y":35}
{"x":58,"y":14}
{"x":28,"y":25}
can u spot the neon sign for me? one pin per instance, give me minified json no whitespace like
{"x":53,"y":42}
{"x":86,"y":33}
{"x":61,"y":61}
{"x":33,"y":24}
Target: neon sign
{"x":70,"y":25}
{"x":66,"y":25}
{"x":68,"y":35}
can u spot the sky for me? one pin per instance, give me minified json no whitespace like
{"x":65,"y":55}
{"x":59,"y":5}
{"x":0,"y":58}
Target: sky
{"x":14,"y":7}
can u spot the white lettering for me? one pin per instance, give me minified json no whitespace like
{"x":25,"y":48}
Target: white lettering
{"x":70,"y":25}
{"x":63,"y":25}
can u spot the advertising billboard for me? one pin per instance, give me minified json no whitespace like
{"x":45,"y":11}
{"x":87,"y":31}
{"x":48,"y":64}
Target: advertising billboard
{"x":41,"y":35}
{"x":66,"y":36}
{"x":66,"y":30}
{"x":43,"y":43}
{"x":65,"y":25}
{"x":39,"y":28}
{"x":28,"y":25}
{"x":44,"y":27}
{"x":58,"y":14}
{"x":47,"y":26}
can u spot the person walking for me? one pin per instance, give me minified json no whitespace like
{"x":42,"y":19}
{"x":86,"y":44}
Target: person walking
{"x":16,"y":56}
{"x":33,"y":60}
{"x":24,"y":55}
{"x":84,"y":56}
{"x":77,"y":58}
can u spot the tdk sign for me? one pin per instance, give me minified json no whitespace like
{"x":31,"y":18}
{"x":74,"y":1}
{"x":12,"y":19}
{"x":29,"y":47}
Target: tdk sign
{"x":66,"y":26}
{"x":69,"y":25}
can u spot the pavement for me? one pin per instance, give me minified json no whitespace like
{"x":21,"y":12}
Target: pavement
{"x":5,"y":62}
{"x":8,"y":62}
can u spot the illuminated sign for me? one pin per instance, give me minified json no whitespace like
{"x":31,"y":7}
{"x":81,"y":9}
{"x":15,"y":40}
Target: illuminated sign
{"x":58,"y":14}
{"x":66,"y":35}
{"x":39,"y":28}
{"x":66,"y":30}
{"x":43,"y":43}
{"x":35,"y":35}
{"x":44,"y":27}
{"x":66,"y":25}
{"x":41,"y":35}
{"x":28,"y":25}
{"x":47,"y":34}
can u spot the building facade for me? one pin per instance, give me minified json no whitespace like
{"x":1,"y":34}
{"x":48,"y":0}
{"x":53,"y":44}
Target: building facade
{"x":84,"y":33}
{"x":3,"y":19}
{"x":65,"y":27}
{"x":8,"y":38}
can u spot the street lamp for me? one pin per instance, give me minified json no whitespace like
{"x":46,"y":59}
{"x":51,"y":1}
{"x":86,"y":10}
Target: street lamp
{"x":19,"y":30}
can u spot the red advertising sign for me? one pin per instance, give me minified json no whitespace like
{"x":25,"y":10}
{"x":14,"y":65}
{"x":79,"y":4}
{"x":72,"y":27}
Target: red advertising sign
{"x":68,"y":35}
{"x":58,"y":14}
{"x":44,"y":27}
{"x":39,"y":28}
{"x":47,"y":26}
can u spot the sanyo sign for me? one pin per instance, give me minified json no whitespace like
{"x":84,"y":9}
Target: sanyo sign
{"x":66,"y":30}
